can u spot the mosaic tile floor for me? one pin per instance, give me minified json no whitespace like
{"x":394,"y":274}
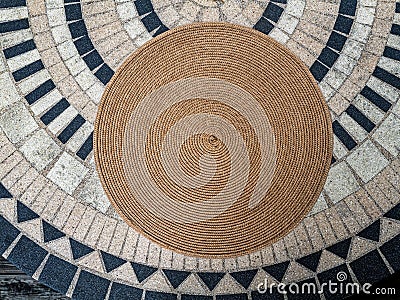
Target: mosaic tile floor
{"x":56,"y":223}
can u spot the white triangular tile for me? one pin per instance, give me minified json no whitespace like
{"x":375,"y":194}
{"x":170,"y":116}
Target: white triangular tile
{"x":360,"y":246}
{"x":260,"y":278}
{"x":7,"y":208}
{"x":192,"y":285}
{"x":61,"y":247}
{"x":125,"y":273}
{"x":93,"y":262}
{"x":296,"y":272}
{"x":389,"y":229}
{"x":328,"y":261}
{"x":32,"y":228}
{"x":228,"y":285}
{"x":157,"y":282}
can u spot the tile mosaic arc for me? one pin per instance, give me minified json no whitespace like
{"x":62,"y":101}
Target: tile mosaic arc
{"x":58,"y":273}
{"x":42,"y":90}
{"x":79,"y":28}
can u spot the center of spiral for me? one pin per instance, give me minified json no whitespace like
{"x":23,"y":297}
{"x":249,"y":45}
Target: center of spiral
{"x":214,"y":142}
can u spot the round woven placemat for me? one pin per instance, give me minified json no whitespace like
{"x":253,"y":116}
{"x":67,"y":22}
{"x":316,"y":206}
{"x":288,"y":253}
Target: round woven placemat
{"x":213,"y":140}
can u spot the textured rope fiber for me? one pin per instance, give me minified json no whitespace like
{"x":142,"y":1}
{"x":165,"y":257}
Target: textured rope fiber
{"x":213,"y":140}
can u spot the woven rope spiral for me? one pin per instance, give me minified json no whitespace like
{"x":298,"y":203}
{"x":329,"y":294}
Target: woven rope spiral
{"x":213,"y":140}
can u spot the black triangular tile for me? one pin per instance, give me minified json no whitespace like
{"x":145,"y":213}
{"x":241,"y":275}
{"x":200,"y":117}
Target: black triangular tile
{"x":142,"y":272}
{"x":111,"y":262}
{"x":24,"y":213}
{"x":176,"y":277}
{"x":244,"y":277}
{"x":50,"y":233}
{"x":277,"y":270}
{"x":341,"y":249}
{"x":310,"y":261}
{"x":4,"y":193}
{"x":372,"y":232}
{"x":394,"y":213}
{"x":78,"y":249}
{"x":211,"y":279}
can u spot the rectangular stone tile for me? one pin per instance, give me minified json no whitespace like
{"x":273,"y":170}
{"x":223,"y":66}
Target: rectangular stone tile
{"x":9,"y":94}
{"x":280,"y":251}
{"x":13,"y":13}
{"x":99,"y":20}
{"x":107,"y":234}
{"x":153,"y":257}
{"x":244,"y":261}
{"x":62,"y":121}
{"x":382,"y":88}
{"x":22,"y":184}
{"x":142,"y":249}
{"x":336,"y":223}
{"x":36,"y":7}
{"x":56,"y":16}
{"x":67,"y":173}
{"x":391,"y":175}
{"x":340,"y":182}
{"x":367,"y":161}
{"x":230,"y":264}
{"x":89,"y":112}
{"x":370,"y":110}
{"x":369,"y":205}
{"x":39,"y":24}
{"x":33,"y":190}
{"x":204,"y":264}
{"x":166,"y":259}
{"x":388,"y":134}
{"x":255,"y":259}
{"x":50,"y":57}
{"x":84,"y":224}
{"x":314,"y":234}
{"x":9,"y":163}
{"x":347,"y":217}
{"x":68,"y":86}
{"x":387,"y":189}
{"x":190,"y":263}
{"x":6,"y":151}
{"x":303,"y":240}
{"x":108,"y":45}
{"x":15,"y":174}
{"x":358,"y":211}
{"x":325,"y":228}
{"x":17,"y":122}
{"x":353,"y":128}
{"x":216,"y":265}
{"x":64,"y":212}
{"x":61,"y":33}
{"x":58,"y":72}
{"x":46,"y":102}
{"x":43,"y":198}
{"x":119,"y":238}
{"x":33,"y":81}
{"x":74,"y":218}
{"x":380,"y":199}
{"x":93,"y":7}
{"x":40,"y":150}
{"x":85,"y":79}
{"x":53,"y":205}
{"x":291,"y":245}
{"x":15,"y":37}
{"x":95,"y":230}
